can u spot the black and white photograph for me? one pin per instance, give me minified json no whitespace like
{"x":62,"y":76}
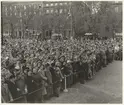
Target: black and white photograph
{"x":67,"y":52}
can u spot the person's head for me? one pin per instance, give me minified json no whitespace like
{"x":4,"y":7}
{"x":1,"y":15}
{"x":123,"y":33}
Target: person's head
{"x":53,"y":64}
{"x":29,"y":73}
{"x":12,"y":78}
{"x":39,"y":64}
{"x":2,"y":80}
{"x":75,"y":58}
{"x":64,"y":63}
{"x":35,"y":70}
{"x":62,"y":59}
{"x":41,"y":67}
{"x":25,"y":71}
{"x":68,"y":61}
{"x":57,"y":63}
{"x":47,"y":66}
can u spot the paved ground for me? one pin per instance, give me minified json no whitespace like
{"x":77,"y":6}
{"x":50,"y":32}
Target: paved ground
{"x":105,"y":87}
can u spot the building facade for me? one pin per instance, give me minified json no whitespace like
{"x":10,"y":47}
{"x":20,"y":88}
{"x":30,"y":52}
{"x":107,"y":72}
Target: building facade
{"x":35,"y":17}
{"x":118,"y":10}
{"x":56,"y":18}
{"x":17,"y":16}
{"x":47,"y":17}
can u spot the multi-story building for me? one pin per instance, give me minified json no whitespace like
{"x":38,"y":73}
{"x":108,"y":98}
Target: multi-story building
{"x":112,"y":20}
{"x":47,"y":17}
{"x":17,"y":16}
{"x":56,"y":17}
{"x":36,"y":16}
{"x":118,"y":10}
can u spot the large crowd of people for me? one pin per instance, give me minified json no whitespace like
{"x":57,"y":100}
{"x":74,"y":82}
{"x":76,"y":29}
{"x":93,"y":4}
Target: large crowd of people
{"x":37,"y":69}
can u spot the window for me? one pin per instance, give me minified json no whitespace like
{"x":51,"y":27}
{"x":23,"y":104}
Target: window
{"x":25,"y":13}
{"x":29,"y":13}
{"x":47,"y":4}
{"x":15,"y":7}
{"x":61,"y":3}
{"x":39,"y":13}
{"x":116,"y":9}
{"x":10,"y":8}
{"x":56,"y":4}
{"x":6,"y":14}
{"x":60,"y":10}
{"x":15,"y":13}
{"x":69,"y":3}
{"x":51,"y":4}
{"x":24,"y":7}
{"x":65,"y":10}
{"x":5,"y":8}
{"x":56,"y":11}
{"x":20,"y":20}
{"x":20,"y":14}
{"x":10,"y":14}
{"x":47,"y":11}
{"x":34,"y":13}
{"x":65,"y":3}
{"x":52,"y":11}
{"x":34,"y":6}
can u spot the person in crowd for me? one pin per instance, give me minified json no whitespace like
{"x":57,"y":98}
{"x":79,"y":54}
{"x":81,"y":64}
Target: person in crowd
{"x":75,"y":65}
{"x":38,"y":85}
{"x":57,"y":79}
{"x":93,"y":58}
{"x":34,"y":64}
{"x":84,"y":65}
{"x":81,"y":71}
{"x":49,"y":80}
{"x":5,"y":93}
{"x":30,"y":86}
{"x":62,"y":67}
{"x":14,"y":90}
{"x":70,"y":76}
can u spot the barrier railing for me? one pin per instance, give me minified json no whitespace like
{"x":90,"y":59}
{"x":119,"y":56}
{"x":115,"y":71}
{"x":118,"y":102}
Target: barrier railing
{"x":23,"y":98}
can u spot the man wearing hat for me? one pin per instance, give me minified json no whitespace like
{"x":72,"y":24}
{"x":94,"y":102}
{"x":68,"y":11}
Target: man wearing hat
{"x":57,"y":78}
{"x":76,"y":66}
{"x":37,"y":79}
{"x":14,"y":90}
{"x":30,"y":86}
{"x":5,"y":93}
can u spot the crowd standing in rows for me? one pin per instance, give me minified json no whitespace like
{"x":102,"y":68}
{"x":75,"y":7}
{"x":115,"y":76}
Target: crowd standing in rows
{"x":37,"y":68}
